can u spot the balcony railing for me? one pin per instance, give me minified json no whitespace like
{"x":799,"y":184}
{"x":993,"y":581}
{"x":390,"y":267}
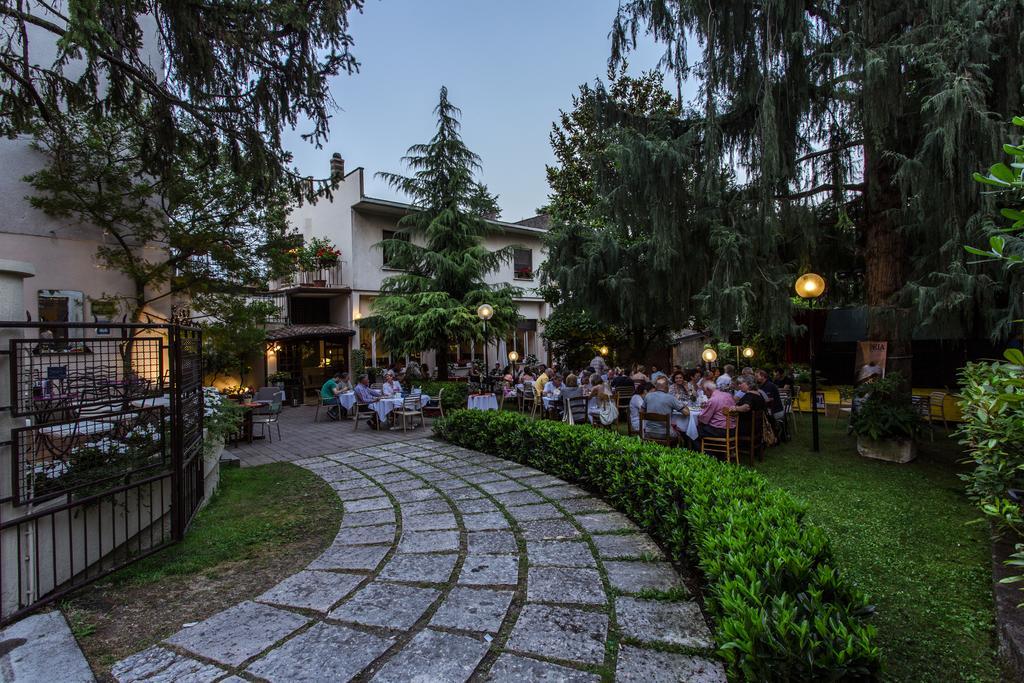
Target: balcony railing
{"x":324,"y":277}
{"x":280,"y":301}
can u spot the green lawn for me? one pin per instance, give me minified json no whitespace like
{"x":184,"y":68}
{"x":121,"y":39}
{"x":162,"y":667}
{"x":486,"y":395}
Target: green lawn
{"x":903,"y":533}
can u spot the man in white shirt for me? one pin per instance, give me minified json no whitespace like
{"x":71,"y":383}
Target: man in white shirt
{"x":724,"y":382}
{"x":554,"y":386}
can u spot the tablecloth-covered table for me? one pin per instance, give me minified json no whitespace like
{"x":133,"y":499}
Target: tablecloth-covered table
{"x":382,"y":407}
{"x":482,"y":402}
{"x":686,"y":424}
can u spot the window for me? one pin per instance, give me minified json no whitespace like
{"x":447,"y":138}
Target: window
{"x":522,"y":264}
{"x":389,"y":255}
{"x":62,"y":306}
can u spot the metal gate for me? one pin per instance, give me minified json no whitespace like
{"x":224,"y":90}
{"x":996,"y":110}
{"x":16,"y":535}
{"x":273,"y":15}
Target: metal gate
{"x":101,"y":451}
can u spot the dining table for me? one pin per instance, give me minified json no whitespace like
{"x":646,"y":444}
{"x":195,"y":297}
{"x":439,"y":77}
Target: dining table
{"x":482,"y":402}
{"x":248,"y":407}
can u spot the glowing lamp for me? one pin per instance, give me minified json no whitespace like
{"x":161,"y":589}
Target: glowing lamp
{"x":709,"y":355}
{"x":748,"y":352}
{"x":810,"y":286}
{"x":603,"y":350}
{"x":513,"y":356}
{"x":485,"y":312}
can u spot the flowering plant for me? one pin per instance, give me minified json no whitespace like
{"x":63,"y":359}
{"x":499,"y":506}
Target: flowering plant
{"x":318,"y":254}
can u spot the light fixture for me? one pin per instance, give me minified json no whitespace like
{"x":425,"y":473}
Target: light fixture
{"x":513,"y":356}
{"x":485,"y":312}
{"x":748,"y":352}
{"x":603,"y":350}
{"x":273,"y":349}
{"x":709,"y":355}
{"x":810,"y":286}
{"x":357,"y":316}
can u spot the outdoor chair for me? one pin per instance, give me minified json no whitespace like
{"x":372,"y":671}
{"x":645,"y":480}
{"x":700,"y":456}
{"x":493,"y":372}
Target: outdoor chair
{"x":268,"y":418}
{"x":527,"y":398}
{"x":326,"y":403}
{"x":623,"y":395}
{"x":575,"y":410}
{"x":797,"y":405}
{"x":363,"y":411}
{"x":722,"y":446}
{"x":655,"y":418}
{"x":937,"y":407}
{"x":752,"y":443}
{"x":788,"y":419}
{"x":435,"y":406}
{"x":411,"y":408}
{"x":538,"y":402}
{"x":922,"y":404}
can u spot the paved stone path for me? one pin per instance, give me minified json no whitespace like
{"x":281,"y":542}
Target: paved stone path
{"x":452,"y":565}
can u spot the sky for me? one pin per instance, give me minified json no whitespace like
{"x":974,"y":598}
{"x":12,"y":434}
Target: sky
{"x":509,"y":66}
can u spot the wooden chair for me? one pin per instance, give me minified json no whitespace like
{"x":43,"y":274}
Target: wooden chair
{"x":435,"y":406}
{"x":327,"y":403}
{"x":656,"y":418}
{"x":797,"y":393}
{"x":575,"y":410}
{"x":922,"y":404}
{"x":411,"y":407}
{"x":622,"y":398}
{"x":363,"y":411}
{"x":751,"y":444}
{"x":937,"y":407}
{"x":595,"y":421}
{"x":722,"y":446}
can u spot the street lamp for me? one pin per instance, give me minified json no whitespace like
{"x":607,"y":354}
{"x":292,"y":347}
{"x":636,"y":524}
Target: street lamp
{"x":485,"y":312}
{"x":748,"y":352}
{"x":709,"y":355}
{"x":513,"y":356}
{"x":603,"y":350}
{"x":810,"y":286}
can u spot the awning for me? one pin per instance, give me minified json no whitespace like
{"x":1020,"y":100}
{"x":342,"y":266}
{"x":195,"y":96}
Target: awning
{"x":300,"y":332}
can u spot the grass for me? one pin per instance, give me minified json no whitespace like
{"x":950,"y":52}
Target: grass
{"x":903,"y":534}
{"x":265,"y":524}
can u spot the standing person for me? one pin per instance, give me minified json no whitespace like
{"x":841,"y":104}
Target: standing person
{"x":329,"y":396}
{"x":636,"y":404}
{"x":713,"y":420}
{"x":598,"y":364}
{"x":724,"y":381}
{"x":656,"y":373}
{"x":542,"y":379}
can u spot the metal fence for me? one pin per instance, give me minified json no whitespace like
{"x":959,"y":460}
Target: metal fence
{"x":104,"y":461}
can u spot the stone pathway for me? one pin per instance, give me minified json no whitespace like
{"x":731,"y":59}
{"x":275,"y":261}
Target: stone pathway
{"x":452,"y":565}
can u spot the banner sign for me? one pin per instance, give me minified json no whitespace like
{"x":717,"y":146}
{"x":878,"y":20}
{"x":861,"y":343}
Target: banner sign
{"x":870,"y":360}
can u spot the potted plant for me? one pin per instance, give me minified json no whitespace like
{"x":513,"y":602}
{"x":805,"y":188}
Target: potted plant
{"x":104,"y":308}
{"x":279,"y":378}
{"x":885,"y":420}
{"x":318,"y":255}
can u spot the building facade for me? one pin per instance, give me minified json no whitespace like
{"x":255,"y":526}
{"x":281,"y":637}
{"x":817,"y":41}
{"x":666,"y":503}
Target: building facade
{"x":317,"y":326}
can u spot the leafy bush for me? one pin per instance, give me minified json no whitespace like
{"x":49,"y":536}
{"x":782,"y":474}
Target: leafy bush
{"x":887,"y":411}
{"x":222,"y":418}
{"x":782,"y":610}
{"x":455,"y":393}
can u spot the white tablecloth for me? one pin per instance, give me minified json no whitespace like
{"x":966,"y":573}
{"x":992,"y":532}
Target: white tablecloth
{"x":482,"y":402}
{"x":384,"y":406}
{"x":551,"y":402}
{"x":347,"y":399}
{"x":687,"y":424}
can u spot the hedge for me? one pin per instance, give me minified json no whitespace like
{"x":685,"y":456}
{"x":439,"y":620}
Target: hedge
{"x":781,"y":609}
{"x":455,"y":393}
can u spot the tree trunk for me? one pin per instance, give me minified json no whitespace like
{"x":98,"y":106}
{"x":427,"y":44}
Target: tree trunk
{"x":441,"y":360}
{"x":885,"y":259}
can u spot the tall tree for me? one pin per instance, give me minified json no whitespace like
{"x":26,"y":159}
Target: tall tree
{"x":867,"y":114}
{"x":199,"y":77}
{"x":190,"y":231}
{"x":440,"y":248}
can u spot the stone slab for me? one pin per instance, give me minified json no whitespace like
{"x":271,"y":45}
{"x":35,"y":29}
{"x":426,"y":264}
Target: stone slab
{"x":514,"y":669}
{"x":366,"y":504}
{"x":606,"y":522}
{"x":37,"y":646}
{"x":485,"y":521}
{"x":578,"y":505}
{"x":314,"y":590}
{"x":468,"y":507}
{"x":473,"y":609}
{"x":426,"y":507}
{"x":436,"y":657}
{"x":529,"y":513}
{"x":506,"y":486}
{"x":366,"y":535}
{"x":651,"y":666}
{"x":419,"y":568}
{"x":490,"y":570}
{"x":563,"y":492}
{"x":388,"y":605}
{"x":325,"y":652}
{"x":159,"y":665}
{"x":560,"y":633}
{"x":632,"y":547}
{"x":559,"y":554}
{"x":370,"y":518}
{"x":416,"y":495}
{"x":428,"y":541}
{"x":360,"y":493}
{"x":518,"y":498}
{"x":657,"y":621}
{"x":492,"y":542}
{"x":406,"y":485}
{"x":481,"y":477}
{"x":549,"y":530}
{"x":360,"y":557}
{"x":238,"y":633}
{"x":633,"y":577}
{"x":571,"y":585}
{"x":429,"y":522}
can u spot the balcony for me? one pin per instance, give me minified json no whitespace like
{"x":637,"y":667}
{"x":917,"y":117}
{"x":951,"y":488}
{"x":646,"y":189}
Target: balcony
{"x":329,"y":278}
{"x":280,"y":301}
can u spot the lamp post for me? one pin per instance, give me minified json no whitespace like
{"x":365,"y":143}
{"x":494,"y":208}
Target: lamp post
{"x":810,"y":286}
{"x":748,"y":352}
{"x":709,"y":356}
{"x":513,"y":356}
{"x":485,"y":312}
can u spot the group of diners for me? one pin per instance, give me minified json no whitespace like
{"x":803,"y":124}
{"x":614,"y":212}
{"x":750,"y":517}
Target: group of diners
{"x":718,"y":397}
{"x":340,"y":383}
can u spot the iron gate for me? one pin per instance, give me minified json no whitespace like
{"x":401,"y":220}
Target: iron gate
{"x":104,"y":462}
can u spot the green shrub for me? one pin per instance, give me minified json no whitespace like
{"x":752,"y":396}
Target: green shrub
{"x":782,"y":610}
{"x":455,"y":393}
{"x":887,"y":411}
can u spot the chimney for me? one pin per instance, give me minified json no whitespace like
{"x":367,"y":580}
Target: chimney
{"x":337,"y":167}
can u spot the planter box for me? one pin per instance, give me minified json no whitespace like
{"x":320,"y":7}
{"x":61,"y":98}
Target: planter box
{"x":891,"y":450}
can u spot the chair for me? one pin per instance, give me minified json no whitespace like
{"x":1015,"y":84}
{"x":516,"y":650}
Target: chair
{"x":726,"y":445}
{"x":937,"y":407}
{"x":752,"y":443}
{"x":538,"y":402}
{"x":788,"y":419}
{"x":410,"y":408}
{"x":363,"y":411}
{"x":575,"y":410}
{"x":595,"y":421}
{"x":797,"y":392}
{"x":434,"y":407}
{"x":326,"y":403}
{"x":267,"y":418}
{"x":922,"y":404}
{"x":623,"y":395}
{"x":656,"y":418}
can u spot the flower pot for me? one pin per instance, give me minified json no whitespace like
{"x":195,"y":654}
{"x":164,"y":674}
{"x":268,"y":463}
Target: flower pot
{"x":891,"y":450}
{"x":319,"y":283}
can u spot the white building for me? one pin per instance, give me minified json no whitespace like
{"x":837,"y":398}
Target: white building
{"x":318,"y":327}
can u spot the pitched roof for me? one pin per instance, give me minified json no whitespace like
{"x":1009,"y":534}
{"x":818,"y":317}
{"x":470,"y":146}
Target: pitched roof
{"x":541,"y":220}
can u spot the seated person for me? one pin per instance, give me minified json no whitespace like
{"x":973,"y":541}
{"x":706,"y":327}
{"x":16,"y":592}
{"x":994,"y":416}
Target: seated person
{"x":636,"y":404}
{"x":660,"y":402}
{"x":771,"y":391}
{"x":345,"y":384}
{"x":678,"y":386}
{"x":618,"y":378}
{"x":724,"y":381}
{"x":752,"y":401}
{"x":713,"y":420}
{"x":553,"y":390}
{"x":364,"y":394}
{"x":329,"y":396}
{"x":602,"y":407}
{"x":656,"y":373}
{"x":571,"y":389}
{"x":391,"y":386}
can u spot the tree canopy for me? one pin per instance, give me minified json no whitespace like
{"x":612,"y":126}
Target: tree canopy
{"x":439,"y":249}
